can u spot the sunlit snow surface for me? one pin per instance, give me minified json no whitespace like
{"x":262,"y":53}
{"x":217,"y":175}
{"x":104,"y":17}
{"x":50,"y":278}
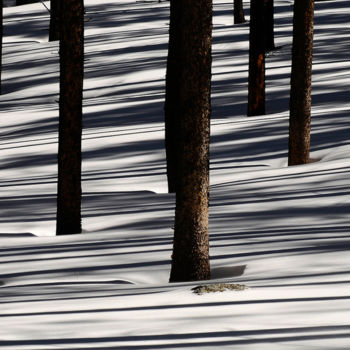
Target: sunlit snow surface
{"x":283,"y":232}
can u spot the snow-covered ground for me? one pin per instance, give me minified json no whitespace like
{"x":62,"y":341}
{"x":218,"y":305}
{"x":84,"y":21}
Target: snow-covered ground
{"x":283,"y":232}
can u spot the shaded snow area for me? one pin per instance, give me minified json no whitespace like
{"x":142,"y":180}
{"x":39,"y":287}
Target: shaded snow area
{"x":284,"y":233}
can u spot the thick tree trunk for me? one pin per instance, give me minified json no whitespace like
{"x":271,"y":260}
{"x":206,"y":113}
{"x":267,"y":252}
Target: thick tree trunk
{"x":190,"y":259}
{"x":269,"y":25}
{"x":238,"y":12}
{"x":300,"y":94}
{"x":256,"y":80}
{"x":54,"y":31}
{"x":70,"y":118}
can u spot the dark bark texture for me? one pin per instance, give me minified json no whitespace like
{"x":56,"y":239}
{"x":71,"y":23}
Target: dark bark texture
{"x":238,"y":12}
{"x":269,"y":25}
{"x":256,"y":79}
{"x":55,"y":13}
{"x":300,"y":94}
{"x":70,"y":117}
{"x":24,"y":2}
{"x":193,"y":20}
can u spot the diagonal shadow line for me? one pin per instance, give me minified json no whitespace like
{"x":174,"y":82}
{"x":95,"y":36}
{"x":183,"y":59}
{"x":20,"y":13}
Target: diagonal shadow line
{"x":312,"y":275}
{"x":85,"y":269}
{"x":320,"y":240}
{"x":310,"y":249}
{"x":181,"y":306}
{"x":85,"y":297}
{"x":225,"y":342}
{"x":92,"y":255}
{"x":185,"y":336}
{"x":82,"y":246}
{"x":297,"y":231}
{"x":321,"y":283}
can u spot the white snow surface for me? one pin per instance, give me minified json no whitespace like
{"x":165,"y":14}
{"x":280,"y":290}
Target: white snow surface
{"x":281,"y":231}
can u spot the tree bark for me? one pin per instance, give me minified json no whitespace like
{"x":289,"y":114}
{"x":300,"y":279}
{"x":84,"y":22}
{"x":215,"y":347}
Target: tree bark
{"x":300,"y":93}
{"x":256,"y":79}
{"x":54,"y":31}
{"x":70,"y":117}
{"x":193,"y":20}
{"x":238,"y":12}
{"x":269,"y":25}
{"x":24,"y":2}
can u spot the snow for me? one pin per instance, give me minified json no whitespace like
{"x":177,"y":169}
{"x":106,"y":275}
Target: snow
{"x":281,"y":231}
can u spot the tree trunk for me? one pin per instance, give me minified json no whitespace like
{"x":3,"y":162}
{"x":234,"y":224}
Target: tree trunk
{"x":24,"y":2}
{"x":238,"y":13}
{"x":54,"y":31}
{"x":256,"y":80}
{"x":193,"y":20}
{"x":269,"y":25}
{"x":70,"y":117}
{"x":300,"y":94}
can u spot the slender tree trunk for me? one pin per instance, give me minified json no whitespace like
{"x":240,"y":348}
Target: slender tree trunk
{"x":190,"y":259}
{"x":70,"y":118}
{"x":300,"y":94}
{"x":54,"y":31}
{"x":256,"y":80}
{"x":238,"y":12}
{"x":24,"y":2}
{"x":1,"y":39}
{"x":269,"y":25}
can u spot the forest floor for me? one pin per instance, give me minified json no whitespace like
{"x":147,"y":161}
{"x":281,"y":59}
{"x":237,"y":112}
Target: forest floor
{"x":281,"y":233}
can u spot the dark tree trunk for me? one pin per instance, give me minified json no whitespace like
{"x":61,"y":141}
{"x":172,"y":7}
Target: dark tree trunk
{"x":238,"y":13}
{"x":1,"y":39}
{"x":193,"y":19}
{"x":24,"y":2}
{"x":70,"y":118}
{"x":300,"y":94}
{"x":269,"y":25}
{"x":256,"y":80}
{"x":54,"y":32}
